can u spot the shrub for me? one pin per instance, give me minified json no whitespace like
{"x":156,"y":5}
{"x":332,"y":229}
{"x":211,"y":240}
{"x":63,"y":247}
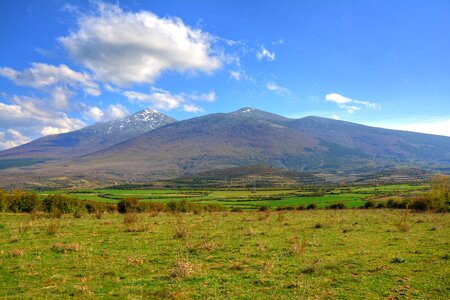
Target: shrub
{"x":301,"y":207}
{"x":177,"y":206}
{"x":63,"y":204}
{"x":312,"y":206}
{"x":263,"y":208}
{"x":439,"y":194}
{"x":381,"y":205}
{"x":23,"y":201}
{"x":4,"y":201}
{"x":369,"y":204}
{"x":339,"y":205}
{"x":237,"y":209}
{"x":421,"y":203}
{"x":129,"y":205}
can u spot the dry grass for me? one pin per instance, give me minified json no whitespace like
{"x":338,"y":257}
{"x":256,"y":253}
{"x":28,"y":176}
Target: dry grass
{"x":16,"y":252}
{"x":130,"y":218}
{"x":181,"y":269}
{"x":65,"y":248}
{"x":99,"y":214}
{"x":53,"y":227}
{"x":297,"y":247}
{"x":403,"y":224}
{"x":135,"y":261}
{"x":182,"y":232}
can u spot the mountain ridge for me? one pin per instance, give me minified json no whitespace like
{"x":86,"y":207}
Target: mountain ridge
{"x":251,"y":137}
{"x":89,"y":139}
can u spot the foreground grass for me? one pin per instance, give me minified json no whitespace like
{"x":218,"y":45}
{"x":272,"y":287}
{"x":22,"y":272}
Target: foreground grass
{"x":351,"y":254}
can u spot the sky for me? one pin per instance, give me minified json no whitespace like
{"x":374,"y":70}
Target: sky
{"x":68,"y":64}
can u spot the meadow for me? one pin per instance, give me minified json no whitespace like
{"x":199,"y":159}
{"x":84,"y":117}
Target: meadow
{"x":319,"y":254}
{"x":248,"y":199}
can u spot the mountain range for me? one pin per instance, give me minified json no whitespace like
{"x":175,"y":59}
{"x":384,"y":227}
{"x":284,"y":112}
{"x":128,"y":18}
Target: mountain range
{"x":150,"y":146}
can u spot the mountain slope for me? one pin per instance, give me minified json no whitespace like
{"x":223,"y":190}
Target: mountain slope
{"x":215,"y":141}
{"x":88,"y":139}
{"x":249,"y":137}
{"x":385,"y":144}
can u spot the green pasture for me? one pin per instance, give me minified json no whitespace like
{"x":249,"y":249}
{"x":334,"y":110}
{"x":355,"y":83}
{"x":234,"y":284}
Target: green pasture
{"x":250,"y":198}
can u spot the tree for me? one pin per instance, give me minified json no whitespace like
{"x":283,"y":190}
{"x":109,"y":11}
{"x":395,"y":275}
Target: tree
{"x":439,"y":194}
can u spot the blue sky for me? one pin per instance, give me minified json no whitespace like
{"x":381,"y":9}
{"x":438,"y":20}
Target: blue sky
{"x":67,"y":64}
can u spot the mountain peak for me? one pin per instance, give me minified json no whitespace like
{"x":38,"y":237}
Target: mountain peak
{"x":250,"y":112}
{"x":245,"y":110}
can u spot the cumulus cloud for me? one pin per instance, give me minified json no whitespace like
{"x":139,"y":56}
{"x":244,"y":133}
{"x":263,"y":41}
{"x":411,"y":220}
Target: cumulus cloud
{"x":162,"y":99}
{"x":93,"y":113}
{"x":43,"y":76}
{"x":12,"y":138}
{"x":115,"y":111}
{"x":351,"y":105}
{"x":263,"y":53}
{"x":112,"y":112}
{"x":279,"y":90}
{"x":158,"y":98}
{"x":32,"y":117}
{"x":125,"y":47}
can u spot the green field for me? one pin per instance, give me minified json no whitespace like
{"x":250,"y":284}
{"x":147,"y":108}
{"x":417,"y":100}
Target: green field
{"x":320,"y":254}
{"x":251,"y":199}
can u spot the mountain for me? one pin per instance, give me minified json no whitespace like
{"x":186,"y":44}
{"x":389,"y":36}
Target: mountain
{"x":252,"y":137}
{"x":86,"y":140}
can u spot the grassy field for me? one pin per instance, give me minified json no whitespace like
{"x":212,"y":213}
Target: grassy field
{"x":251,"y":199}
{"x":346,"y":254}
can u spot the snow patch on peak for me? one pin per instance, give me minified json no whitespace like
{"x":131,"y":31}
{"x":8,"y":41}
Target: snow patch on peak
{"x":245,"y":110}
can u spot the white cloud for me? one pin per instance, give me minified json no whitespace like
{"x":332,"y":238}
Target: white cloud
{"x":158,"y":98}
{"x":263,"y":53}
{"x":208,"y":97}
{"x":336,"y":98}
{"x":12,"y":138}
{"x":192,"y":108}
{"x":125,"y":47}
{"x":240,"y":75}
{"x":34,"y":118}
{"x":335,"y":117}
{"x":112,"y":112}
{"x":162,"y":99}
{"x":115,"y":111}
{"x":43,"y":76}
{"x":93,"y":113}
{"x":279,"y":90}
{"x":237,"y":75}
{"x":439,"y":127}
{"x":351,"y":105}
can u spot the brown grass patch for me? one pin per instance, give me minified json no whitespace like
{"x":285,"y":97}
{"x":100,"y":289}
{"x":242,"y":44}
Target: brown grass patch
{"x":65,"y":248}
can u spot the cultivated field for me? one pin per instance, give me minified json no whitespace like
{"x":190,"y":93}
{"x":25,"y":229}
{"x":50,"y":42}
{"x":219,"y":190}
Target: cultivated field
{"x":351,"y":254}
{"x":355,"y":196}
